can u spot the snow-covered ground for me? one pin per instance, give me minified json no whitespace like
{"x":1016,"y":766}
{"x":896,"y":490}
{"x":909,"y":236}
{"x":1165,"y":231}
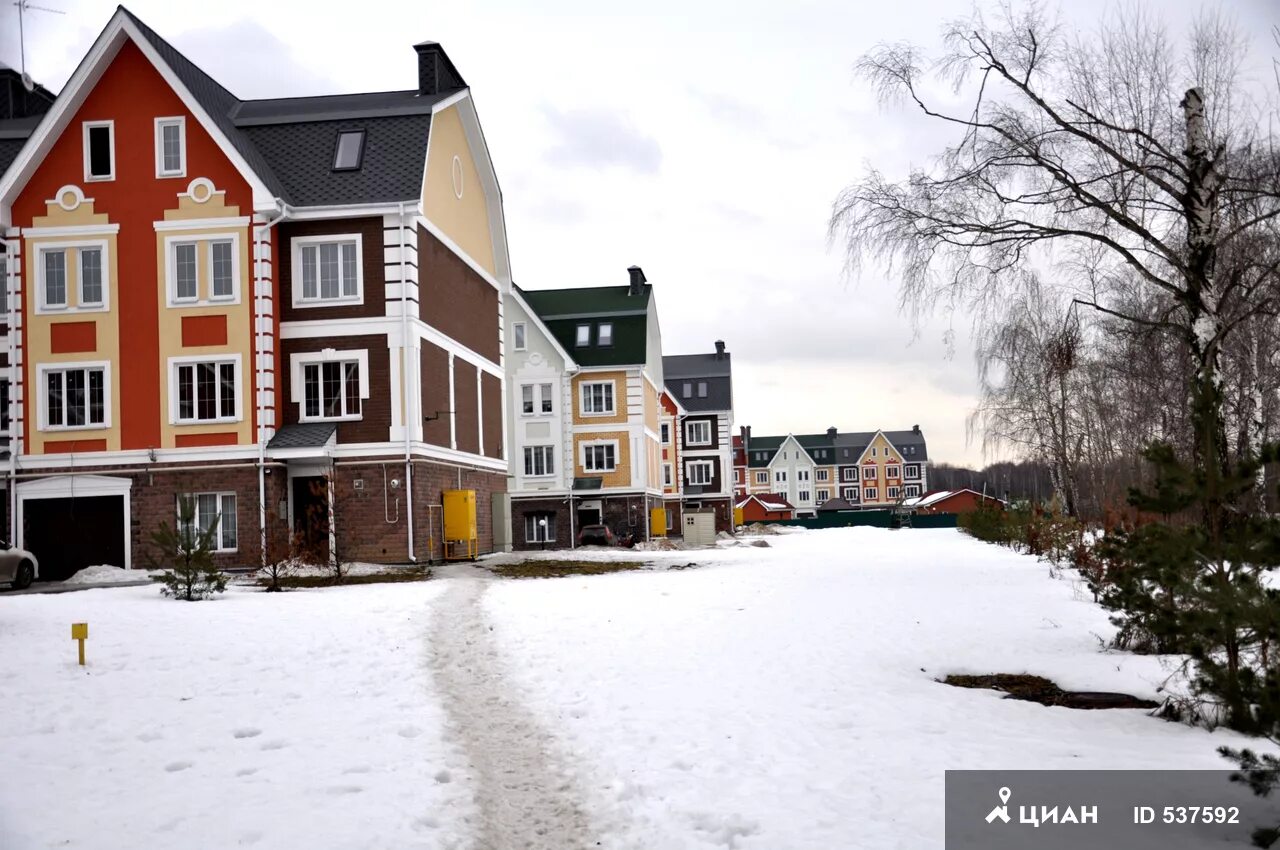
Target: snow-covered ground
{"x":778,"y":697}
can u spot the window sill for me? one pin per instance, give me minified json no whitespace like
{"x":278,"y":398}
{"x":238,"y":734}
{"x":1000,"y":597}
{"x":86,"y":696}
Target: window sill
{"x":356,"y":418}
{"x":172,"y":175}
{"x":605,"y":413}
{"x":60,"y":429}
{"x":182,"y":423}
{"x":64,"y":310}
{"x":89,"y":178}
{"x":307,"y":304}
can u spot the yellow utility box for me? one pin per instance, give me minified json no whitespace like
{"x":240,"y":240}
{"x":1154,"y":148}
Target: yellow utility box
{"x":658,"y":522}
{"x":461,"y":541}
{"x":737,"y":517}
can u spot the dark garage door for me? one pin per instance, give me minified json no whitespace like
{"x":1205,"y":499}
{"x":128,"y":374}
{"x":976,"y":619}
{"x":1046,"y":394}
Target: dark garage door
{"x":67,"y":535}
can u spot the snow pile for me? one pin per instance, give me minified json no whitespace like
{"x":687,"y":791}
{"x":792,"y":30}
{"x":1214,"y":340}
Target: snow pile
{"x":106,"y":574}
{"x":786,"y":697}
{"x":277,"y":720}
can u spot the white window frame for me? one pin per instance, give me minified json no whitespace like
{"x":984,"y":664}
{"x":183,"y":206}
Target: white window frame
{"x":548,"y":530}
{"x":664,"y":432}
{"x":889,"y":471}
{"x":204,"y":296}
{"x":823,"y":475}
{"x":911,"y":471}
{"x":297,"y":384}
{"x":707,"y":468}
{"x":42,"y":248}
{"x":613,"y":398}
{"x":220,"y":494}
{"x":891,"y":493}
{"x":295,"y":248}
{"x":850,"y":494}
{"x":910,"y":491}
{"x":548,"y":453}
{"x":519,"y":336}
{"x":823,"y":495}
{"x":780,"y":476}
{"x":802,"y":475}
{"x":762,"y":478}
{"x":849,"y":475}
{"x":803,"y":496}
{"x":666,"y":475}
{"x":189,"y":359}
{"x":870,"y":494}
{"x":583,"y":454}
{"x":540,"y":393}
{"x":180,"y":122}
{"x":868,"y":473}
{"x":111,"y":139}
{"x":689,"y":427}
{"x":42,"y":400}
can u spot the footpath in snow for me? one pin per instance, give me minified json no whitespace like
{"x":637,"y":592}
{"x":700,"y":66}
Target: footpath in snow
{"x":782,"y":697}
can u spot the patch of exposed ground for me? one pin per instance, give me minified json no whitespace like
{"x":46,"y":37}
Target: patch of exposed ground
{"x":1039,"y":689}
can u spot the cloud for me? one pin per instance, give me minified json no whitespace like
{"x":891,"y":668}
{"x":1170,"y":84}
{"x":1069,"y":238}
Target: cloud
{"x":260,"y":65}
{"x":730,"y":110}
{"x":595,"y":137}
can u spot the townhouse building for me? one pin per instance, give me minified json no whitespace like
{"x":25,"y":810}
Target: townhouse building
{"x":669,"y":437}
{"x":866,"y":469}
{"x":702,"y":384}
{"x":586,"y":368}
{"x":288,"y":310}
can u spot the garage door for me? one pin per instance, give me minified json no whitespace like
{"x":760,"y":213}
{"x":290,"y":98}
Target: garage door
{"x":69,"y":534}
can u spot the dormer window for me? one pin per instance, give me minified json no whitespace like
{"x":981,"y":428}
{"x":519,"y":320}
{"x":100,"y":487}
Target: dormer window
{"x":604,"y":333}
{"x":349,"y":150}
{"x":584,"y":336}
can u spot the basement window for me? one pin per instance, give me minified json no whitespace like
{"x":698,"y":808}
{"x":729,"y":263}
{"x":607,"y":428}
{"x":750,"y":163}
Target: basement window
{"x":349,"y":151}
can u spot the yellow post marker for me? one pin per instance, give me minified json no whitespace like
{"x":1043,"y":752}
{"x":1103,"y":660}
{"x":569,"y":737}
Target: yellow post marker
{"x":80,"y":633}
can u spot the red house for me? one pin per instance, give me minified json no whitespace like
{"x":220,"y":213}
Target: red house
{"x":951,"y":502}
{"x":765,"y":507}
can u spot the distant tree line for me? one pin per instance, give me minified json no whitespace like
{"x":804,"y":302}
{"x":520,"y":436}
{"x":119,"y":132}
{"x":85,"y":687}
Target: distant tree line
{"x":1013,"y":480}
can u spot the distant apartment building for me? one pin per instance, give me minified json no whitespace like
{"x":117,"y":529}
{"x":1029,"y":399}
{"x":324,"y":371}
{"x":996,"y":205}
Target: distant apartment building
{"x":701,"y":386}
{"x":867,"y":469}
{"x":585,"y":371}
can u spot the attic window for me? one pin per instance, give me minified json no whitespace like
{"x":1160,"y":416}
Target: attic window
{"x":604,"y":333}
{"x":349,"y":151}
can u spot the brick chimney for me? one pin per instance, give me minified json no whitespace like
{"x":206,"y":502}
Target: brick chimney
{"x":831,"y":432}
{"x":719,"y":349}
{"x":915,"y":429}
{"x":436,"y":72}
{"x":638,"y":280}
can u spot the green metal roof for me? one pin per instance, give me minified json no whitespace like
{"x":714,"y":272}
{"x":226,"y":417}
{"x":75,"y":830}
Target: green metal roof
{"x":563,"y":310}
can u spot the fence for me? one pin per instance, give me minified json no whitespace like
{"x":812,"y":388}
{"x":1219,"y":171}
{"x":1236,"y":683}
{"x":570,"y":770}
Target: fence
{"x":873,"y":519}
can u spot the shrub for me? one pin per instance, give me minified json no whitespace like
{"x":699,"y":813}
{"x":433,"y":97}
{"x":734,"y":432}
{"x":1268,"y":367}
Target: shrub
{"x":189,"y":549}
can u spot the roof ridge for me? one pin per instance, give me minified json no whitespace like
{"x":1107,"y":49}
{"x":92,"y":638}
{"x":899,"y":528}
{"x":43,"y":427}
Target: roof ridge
{"x":153,"y":35}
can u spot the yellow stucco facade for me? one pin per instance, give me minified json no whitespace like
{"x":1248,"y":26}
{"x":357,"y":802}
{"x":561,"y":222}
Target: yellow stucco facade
{"x":621,"y":475}
{"x":453,"y":197}
{"x":619,"y":415}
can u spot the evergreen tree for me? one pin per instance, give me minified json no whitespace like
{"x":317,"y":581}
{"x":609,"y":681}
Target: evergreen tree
{"x":189,"y":548}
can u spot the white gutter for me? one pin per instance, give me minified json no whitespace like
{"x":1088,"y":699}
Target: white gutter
{"x":407,"y":398}
{"x":258,"y":352}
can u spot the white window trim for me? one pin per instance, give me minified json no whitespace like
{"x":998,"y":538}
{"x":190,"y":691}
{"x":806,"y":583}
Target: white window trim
{"x":295,"y":248}
{"x":820,"y":498}
{"x":220,"y":494}
{"x":537,"y":399}
{"x":40,"y":248}
{"x":707,"y":464}
{"x":552,"y":473}
{"x":42,"y":400}
{"x":665,"y":426}
{"x":667,"y":480}
{"x":865,"y":477}
{"x":84,"y":143}
{"x":888,"y":471}
{"x":874,"y":494}
{"x":762,"y":478}
{"x":908,"y":474}
{"x":892,"y":493}
{"x":524,"y":330}
{"x":582,"y":454}
{"x":180,"y":121}
{"x":298,"y":389}
{"x":688,"y":433}
{"x":186,"y":359}
{"x":851,"y":494}
{"x":550,"y":526}
{"x":822,"y":475}
{"x":582,"y":398}
{"x":171,"y":269}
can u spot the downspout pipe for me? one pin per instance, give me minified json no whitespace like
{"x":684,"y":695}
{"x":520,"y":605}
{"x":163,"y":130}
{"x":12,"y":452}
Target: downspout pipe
{"x":409,"y":395}
{"x":262,"y":232}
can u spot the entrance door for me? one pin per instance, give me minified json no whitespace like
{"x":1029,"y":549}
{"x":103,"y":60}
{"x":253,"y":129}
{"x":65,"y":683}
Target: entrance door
{"x":67,"y":535}
{"x":311,"y":517}
{"x":588,"y":516}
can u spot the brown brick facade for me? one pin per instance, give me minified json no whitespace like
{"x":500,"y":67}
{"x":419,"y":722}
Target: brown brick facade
{"x":625,"y":516}
{"x":454,"y":299}
{"x":373,"y":273}
{"x":435,"y":395}
{"x":491,"y":403}
{"x":466,"y":406}
{"x":375,"y":423}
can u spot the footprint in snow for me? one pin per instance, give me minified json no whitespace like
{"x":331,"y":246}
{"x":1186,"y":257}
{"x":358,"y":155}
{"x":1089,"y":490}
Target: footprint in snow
{"x":148,"y":737}
{"x":360,"y":768}
{"x":444,"y":777}
{"x":274,"y":745}
{"x":175,"y":766}
{"x":246,"y":771}
{"x":247,"y":733}
{"x":409,"y":731}
{"x":345,"y":789}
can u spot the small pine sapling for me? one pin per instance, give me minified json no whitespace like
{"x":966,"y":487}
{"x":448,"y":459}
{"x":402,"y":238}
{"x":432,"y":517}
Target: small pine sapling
{"x":189,"y":549}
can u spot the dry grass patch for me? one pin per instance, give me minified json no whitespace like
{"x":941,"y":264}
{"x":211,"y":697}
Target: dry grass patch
{"x":558,"y":569}
{"x":389,"y":577}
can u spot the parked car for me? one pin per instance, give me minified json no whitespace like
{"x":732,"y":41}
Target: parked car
{"x":595,"y":535}
{"x":18,"y":567}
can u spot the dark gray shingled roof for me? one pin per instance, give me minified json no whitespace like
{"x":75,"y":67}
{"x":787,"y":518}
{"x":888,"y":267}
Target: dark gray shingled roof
{"x":9,"y":151}
{"x":714,"y":369}
{"x":289,"y":142}
{"x":303,"y":435}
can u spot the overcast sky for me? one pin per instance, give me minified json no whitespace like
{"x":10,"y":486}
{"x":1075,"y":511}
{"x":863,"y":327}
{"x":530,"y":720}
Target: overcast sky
{"x":703,"y":141}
